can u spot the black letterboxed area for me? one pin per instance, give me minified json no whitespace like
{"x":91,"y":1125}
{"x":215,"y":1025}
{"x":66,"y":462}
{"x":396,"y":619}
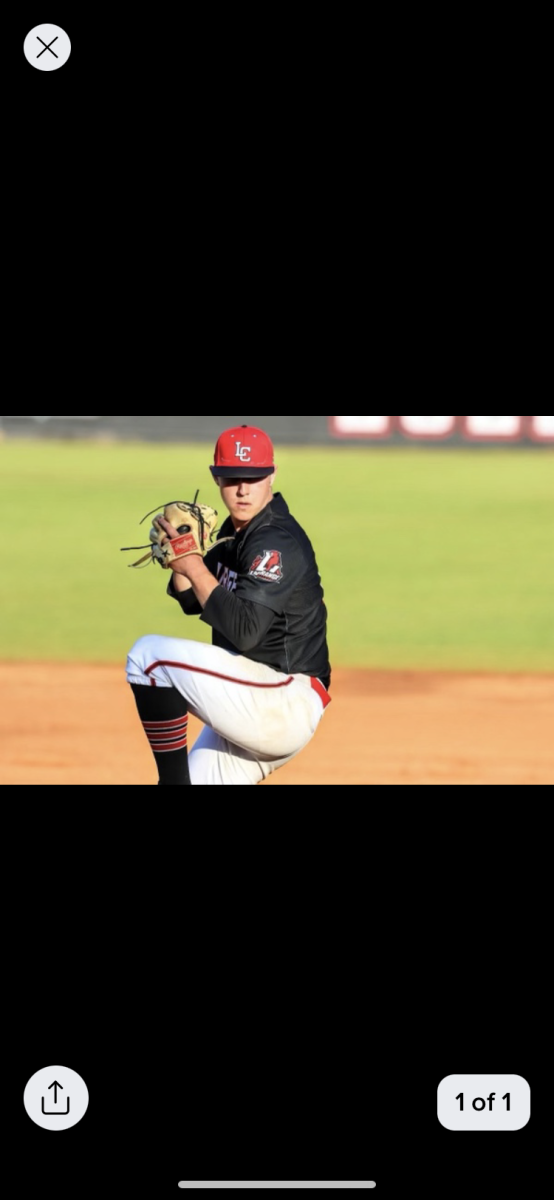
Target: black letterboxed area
{"x":144,"y":92}
{"x":140,"y":59}
{"x":179,"y":1090}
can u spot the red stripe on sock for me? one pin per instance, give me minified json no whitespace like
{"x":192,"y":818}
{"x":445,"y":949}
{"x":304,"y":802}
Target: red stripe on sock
{"x":165,"y":736}
{"x":166,"y":724}
{"x":167,"y":741}
{"x":165,"y":749}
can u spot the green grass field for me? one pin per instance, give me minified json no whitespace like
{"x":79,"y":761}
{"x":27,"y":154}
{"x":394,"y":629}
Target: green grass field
{"x":429,"y":558}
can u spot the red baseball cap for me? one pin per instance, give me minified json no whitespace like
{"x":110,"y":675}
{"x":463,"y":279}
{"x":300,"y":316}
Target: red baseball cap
{"x":243,"y":452}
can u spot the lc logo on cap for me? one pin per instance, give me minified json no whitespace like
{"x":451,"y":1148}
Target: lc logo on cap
{"x":245,"y":452}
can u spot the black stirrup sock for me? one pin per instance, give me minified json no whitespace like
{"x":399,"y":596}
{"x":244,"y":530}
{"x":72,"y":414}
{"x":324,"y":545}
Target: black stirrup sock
{"x":164,"y":716}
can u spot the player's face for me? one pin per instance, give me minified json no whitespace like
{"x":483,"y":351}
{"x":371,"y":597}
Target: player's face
{"x":245,"y":498}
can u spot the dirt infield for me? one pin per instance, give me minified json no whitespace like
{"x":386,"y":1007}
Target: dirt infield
{"x":77,"y":724}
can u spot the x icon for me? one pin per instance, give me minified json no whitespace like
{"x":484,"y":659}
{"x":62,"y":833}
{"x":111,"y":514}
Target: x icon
{"x":39,"y":39}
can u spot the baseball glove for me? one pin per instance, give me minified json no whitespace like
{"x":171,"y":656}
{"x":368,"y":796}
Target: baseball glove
{"x":195,"y":525}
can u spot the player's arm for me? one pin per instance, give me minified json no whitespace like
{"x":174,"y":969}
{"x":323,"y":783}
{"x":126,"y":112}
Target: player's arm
{"x":245,"y":614}
{"x":179,"y":583}
{"x":242,"y":622}
{"x":194,"y":571}
{"x":186,"y":599}
{"x":188,"y":574}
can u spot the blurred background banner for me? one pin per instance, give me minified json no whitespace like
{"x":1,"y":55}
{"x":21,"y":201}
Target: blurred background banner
{"x":295,"y":430}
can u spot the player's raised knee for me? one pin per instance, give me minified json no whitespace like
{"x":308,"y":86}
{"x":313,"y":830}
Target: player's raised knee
{"x":141,"y":655}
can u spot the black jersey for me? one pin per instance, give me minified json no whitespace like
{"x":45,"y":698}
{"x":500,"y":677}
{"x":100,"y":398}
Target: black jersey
{"x":270,"y":605}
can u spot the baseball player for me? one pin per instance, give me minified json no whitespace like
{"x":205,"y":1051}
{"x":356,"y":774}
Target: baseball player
{"x":262,"y":687}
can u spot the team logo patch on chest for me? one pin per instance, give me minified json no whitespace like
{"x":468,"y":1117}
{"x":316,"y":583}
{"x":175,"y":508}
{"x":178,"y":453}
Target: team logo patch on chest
{"x":267,"y":566}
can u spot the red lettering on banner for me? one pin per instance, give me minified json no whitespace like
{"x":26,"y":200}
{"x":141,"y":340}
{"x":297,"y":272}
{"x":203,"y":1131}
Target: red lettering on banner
{"x":492,"y":429}
{"x":541,"y":429}
{"x":428,"y":427}
{"x":495,"y":428}
{"x":368,"y":427}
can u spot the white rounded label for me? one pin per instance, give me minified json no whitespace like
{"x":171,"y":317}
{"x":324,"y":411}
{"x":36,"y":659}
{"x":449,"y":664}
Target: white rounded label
{"x":484,"y":1103}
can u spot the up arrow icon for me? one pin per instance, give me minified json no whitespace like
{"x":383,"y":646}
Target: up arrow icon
{"x":59,"y":1112}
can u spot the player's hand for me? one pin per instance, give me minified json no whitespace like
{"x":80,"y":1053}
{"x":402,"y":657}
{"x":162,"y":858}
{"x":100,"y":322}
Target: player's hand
{"x":180,"y":581}
{"x":170,"y":529}
{"x":190,"y":567}
{"x":181,"y":565}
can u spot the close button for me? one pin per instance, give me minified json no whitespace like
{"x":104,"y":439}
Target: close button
{"x":47,"y":47}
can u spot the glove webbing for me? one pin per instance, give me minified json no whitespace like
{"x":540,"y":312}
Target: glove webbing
{"x":182,"y":528}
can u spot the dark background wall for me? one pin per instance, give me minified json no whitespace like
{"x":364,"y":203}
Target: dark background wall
{"x":196,"y":428}
{"x":313,"y":430}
